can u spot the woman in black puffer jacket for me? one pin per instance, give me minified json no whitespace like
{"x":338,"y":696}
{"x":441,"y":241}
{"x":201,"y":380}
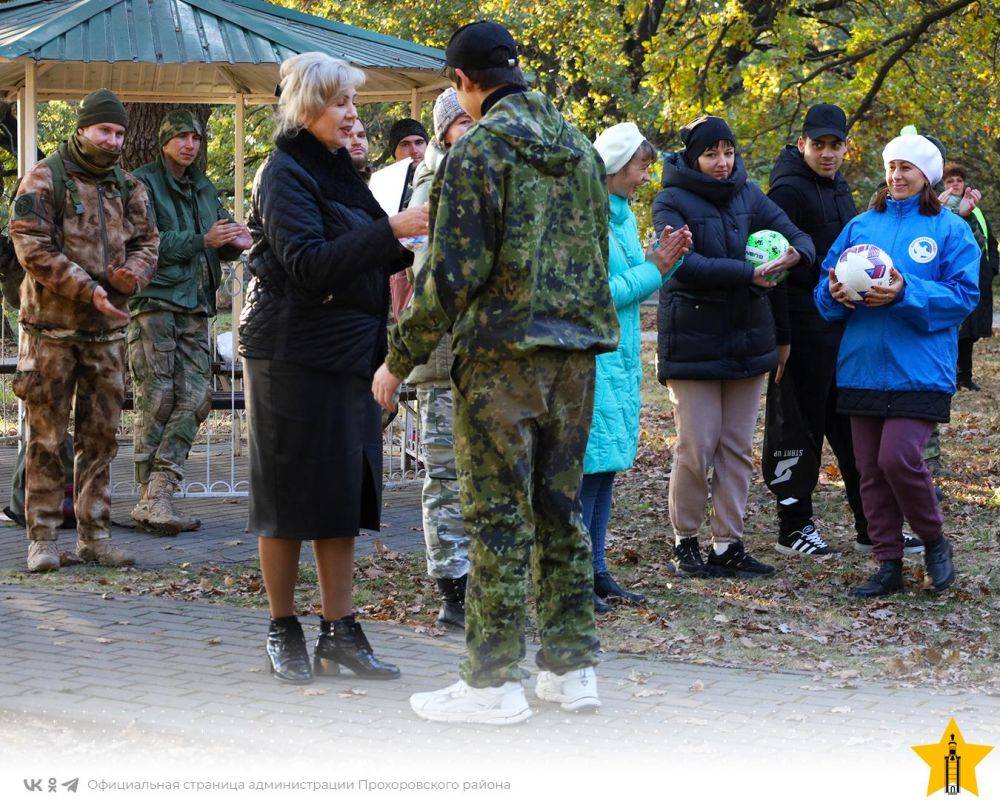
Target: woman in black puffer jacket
{"x":716,"y":340}
{"x":312,"y":333}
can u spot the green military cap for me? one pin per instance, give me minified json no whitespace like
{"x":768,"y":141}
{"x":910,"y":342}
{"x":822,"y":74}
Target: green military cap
{"x":177,"y":122}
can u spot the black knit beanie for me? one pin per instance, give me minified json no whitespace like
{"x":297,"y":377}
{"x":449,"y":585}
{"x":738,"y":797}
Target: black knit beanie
{"x":100,"y":106}
{"x":401,"y":129}
{"x":701,"y":134}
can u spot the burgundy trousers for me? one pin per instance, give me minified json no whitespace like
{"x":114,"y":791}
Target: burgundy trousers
{"x":895,"y":482}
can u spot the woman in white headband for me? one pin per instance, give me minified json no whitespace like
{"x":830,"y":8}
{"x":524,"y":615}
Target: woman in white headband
{"x":896,"y":367}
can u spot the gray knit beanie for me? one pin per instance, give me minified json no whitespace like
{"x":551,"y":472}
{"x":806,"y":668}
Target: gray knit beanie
{"x":446,"y":111}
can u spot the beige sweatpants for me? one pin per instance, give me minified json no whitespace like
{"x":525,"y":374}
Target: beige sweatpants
{"x":715,"y":423}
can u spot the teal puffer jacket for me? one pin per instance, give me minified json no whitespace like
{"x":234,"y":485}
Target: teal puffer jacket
{"x":614,"y":432}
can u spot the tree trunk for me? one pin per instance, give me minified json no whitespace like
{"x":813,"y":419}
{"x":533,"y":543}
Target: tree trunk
{"x":141,"y":142}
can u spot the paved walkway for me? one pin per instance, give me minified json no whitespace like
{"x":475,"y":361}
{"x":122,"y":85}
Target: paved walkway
{"x":192,"y":674}
{"x":222,"y":539}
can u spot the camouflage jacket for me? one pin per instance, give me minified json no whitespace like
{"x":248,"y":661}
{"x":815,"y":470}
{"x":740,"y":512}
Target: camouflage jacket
{"x":519,"y":248}
{"x":66,"y":255}
{"x":189,"y":272}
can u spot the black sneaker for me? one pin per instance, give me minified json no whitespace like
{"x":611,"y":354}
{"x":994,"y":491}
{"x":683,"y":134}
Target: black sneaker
{"x":687,"y":560}
{"x":806,"y":542}
{"x":912,"y":546}
{"x":735,"y":563}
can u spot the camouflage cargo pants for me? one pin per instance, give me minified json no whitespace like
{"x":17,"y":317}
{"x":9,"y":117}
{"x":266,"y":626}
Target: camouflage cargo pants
{"x":521,"y":430}
{"x":53,"y":377}
{"x":172,"y":382}
{"x":933,"y":449}
{"x":444,"y":533}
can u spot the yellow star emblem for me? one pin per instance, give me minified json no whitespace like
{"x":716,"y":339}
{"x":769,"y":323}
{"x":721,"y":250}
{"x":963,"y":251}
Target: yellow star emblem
{"x":952,"y":761}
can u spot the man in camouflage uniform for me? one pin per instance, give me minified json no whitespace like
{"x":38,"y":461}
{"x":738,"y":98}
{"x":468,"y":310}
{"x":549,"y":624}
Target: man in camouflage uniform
{"x":168,"y":337}
{"x":444,"y":534}
{"x":82,"y":229}
{"x":518,"y":271}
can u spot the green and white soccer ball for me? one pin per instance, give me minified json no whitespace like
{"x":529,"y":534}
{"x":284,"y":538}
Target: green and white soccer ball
{"x":765,"y":246}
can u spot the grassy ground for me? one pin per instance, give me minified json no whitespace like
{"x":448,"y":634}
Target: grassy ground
{"x":802,"y":619}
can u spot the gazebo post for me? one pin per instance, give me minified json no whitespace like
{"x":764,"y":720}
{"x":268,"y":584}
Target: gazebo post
{"x":27,"y":120}
{"x":239,"y":182}
{"x":27,"y":152}
{"x":414,"y":104}
{"x":239,"y":151}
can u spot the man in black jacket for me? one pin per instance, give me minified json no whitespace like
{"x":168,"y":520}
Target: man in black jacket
{"x":807,"y":184}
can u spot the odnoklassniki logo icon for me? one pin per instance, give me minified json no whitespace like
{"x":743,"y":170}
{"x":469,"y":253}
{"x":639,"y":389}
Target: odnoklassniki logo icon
{"x":953,"y":762}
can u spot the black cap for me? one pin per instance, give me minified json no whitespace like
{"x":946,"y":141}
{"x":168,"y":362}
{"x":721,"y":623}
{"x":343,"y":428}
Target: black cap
{"x":401,"y":129}
{"x":825,"y":119}
{"x":481,"y":45}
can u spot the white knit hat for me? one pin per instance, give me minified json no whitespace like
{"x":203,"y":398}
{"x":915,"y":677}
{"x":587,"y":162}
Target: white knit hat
{"x":446,"y":111}
{"x":919,"y":151}
{"x":617,"y":145}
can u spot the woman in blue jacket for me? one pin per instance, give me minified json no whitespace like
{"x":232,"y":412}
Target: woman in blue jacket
{"x":717,"y":341}
{"x":896,"y":368}
{"x":634,"y":275}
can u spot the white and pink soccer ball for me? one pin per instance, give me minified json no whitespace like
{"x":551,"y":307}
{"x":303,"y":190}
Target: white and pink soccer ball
{"x":861,"y":267}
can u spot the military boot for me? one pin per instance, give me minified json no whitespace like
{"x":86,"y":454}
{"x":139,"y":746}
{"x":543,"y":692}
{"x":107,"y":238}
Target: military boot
{"x":140,"y":514}
{"x":162,"y":517}
{"x":42,"y":556}
{"x":453,"y":601}
{"x":101,"y":551}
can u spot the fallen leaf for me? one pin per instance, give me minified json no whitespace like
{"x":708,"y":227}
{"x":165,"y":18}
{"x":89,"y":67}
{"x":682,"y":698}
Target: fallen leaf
{"x":102,"y":640}
{"x":840,"y":710}
{"x":314,"y":692}
{"x":639,"y":677}
{"x":697,"y":686}
{"x":215,"y":641}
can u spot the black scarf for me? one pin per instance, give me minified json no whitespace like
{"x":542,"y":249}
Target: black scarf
{"x":336,"y":176}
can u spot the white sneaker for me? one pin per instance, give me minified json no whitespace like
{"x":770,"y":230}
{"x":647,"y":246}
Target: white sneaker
{"x":494,"y":705}
{"x":576,"y":690}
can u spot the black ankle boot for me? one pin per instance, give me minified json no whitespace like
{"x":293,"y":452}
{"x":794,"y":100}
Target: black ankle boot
{"x":343,"y":643}
{"x":453,"y":605}
{"x":287,"y":656}
{"x":888,"y":580}
{"x":607,"y":588}
{"x":939,"y":564}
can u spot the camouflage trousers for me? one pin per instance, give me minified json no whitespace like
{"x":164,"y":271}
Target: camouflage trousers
{"x":933,"y":448}
{"x":172,"y":381}
{"x":53,"y":378}
{"x":521,"y":430}
{"x":444,"y":533}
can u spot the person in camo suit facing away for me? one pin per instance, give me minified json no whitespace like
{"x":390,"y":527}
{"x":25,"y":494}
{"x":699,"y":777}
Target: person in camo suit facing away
{"x":168,"y":336}
{"x":518,"y":271}
{"x":84,"y":232}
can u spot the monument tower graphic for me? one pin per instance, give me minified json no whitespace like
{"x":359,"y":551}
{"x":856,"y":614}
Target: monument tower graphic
{"x":952,"y":769}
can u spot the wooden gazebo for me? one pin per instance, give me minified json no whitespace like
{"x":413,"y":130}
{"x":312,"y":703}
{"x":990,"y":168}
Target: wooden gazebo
{"x":187,"y":51}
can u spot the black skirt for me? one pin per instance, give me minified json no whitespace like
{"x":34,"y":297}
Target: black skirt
{"x":315,"y":452}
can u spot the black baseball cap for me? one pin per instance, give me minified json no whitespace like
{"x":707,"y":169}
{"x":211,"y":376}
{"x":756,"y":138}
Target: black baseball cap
{"x":825,"y":119}
{"x":481,"y":45}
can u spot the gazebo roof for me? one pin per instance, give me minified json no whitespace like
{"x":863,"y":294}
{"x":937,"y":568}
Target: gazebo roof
{"x":193,"y":50}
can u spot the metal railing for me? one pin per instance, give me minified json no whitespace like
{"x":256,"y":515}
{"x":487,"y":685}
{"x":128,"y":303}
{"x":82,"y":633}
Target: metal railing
{"x":217,"y":465}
